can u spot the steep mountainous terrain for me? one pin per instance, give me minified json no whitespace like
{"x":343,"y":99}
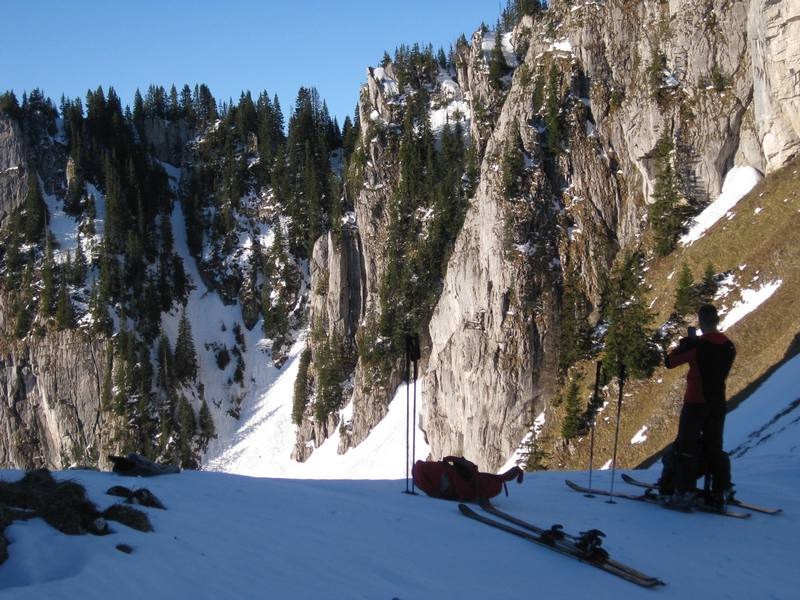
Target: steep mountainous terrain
{"x":524,"y":203}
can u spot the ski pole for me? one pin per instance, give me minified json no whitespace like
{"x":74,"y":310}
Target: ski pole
{"x":621,"y":380}
{"x":408,"y":377}
{"x":594,"y":419}
{"x":412,"y":354}
{"x":414,"y":425}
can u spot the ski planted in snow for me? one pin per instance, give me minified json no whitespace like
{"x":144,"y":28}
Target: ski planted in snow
{"x":734,"y":502}
{"x":585,"y":548}
{"x":650,"y":497}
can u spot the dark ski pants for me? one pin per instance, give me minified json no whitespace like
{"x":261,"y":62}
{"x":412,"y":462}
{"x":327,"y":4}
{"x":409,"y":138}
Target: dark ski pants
{"x":700,"y":432}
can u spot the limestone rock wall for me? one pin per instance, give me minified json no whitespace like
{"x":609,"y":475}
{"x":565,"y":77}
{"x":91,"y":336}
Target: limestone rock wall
{"x":773,"y":28}
{"x":50,"y":414}
{"x":13,"y":167}
{"x":725,"y":91}
{"x":167,"y":139}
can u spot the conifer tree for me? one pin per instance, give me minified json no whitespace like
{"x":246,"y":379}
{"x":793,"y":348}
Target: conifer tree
{"x":166,"y":364}
{"x":9,"y":105}
{"x":686,"y":298}
{"x":106,"y":396}
{"x":552,"y":116}
{"x":301,"y":387}
{"x":628,"y":335}
{"x":173,"y":104}
{"x":137,"y":115}
{"x":185,"y":355}
{"x":248,"y":294}
{"x":571,"y":425}
{"x":666,"y":213}
{"x":497,"y":62}
{"x":98,"y":309}
{"x":35,"y":211}
{"x":328,"y":361}
{"x":65,"y":314}
{"x":206,"y":426}
{"x":47,"y":298}
{"x":75,"y":190}
{"x":77,"y":275}
{"x":312,"y":200}
{"x":513,"y":166}
{"x":13,"y":258}
{"x":187,"y":109}
{"x":575,"y":339}
{"x":142,"y":375}
{"x":23,"y":316}
{"x":441,"y":58}
{"x":533,"y":455}
{"x":148,"y":308}
{"x":187,"y":427}
{"x":107,"y":276}
{"x":516,"y":9}
{"x":709,"y":286}
{"x":167,"y":447}
{"x":116,"y":225}
{"x":349,"y":136}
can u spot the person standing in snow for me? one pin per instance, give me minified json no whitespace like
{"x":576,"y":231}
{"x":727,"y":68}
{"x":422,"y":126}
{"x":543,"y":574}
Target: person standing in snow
{"x":702,"y":421}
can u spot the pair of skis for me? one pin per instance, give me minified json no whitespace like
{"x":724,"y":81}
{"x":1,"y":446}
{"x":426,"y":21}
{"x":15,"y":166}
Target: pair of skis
{"x":650,"y":496}
{"x":733,"y":502}
{"x":585,"y":547}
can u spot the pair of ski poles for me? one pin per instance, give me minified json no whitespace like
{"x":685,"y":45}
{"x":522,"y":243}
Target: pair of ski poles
{"x":621,"y":380}
{"x":412,"y":356}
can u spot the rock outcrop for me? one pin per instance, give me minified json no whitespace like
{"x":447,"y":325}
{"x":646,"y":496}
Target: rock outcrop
{"x":13,"y":167}
{"x":715,"y":77}
{"x":167,"y":140}
{"x":51,"y":411}
{"x":773,"y":29}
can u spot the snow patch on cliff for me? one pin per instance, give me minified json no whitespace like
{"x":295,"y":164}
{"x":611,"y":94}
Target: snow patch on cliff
{"x":738,"y":183}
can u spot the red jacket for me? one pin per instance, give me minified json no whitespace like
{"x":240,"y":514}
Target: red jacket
{"x":710,"y":358}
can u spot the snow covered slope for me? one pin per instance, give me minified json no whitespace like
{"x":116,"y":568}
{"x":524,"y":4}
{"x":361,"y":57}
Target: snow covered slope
{"x":230,"y":536}
{"x":263,"y":445}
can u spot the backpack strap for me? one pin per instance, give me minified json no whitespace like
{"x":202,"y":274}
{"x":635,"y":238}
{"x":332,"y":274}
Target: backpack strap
{"x":513,"y":473}
{"x":466,"y":468}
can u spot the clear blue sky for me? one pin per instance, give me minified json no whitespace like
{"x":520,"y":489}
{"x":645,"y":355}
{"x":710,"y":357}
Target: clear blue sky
{"x":70,"y":47}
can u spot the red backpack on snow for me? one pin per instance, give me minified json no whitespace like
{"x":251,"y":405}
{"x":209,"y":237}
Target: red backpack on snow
{"x":456,"y":478}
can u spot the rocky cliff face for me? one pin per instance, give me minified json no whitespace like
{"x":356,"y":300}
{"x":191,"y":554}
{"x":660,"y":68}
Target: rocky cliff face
{"x":718,"y":78}
{"x":51,"y":411}
{"x":13,"y":167}
{"x":715,"y":76}
{"x":703,"y":96}
{"x":51,"y":381}
{"x":773,"y":30}
{"x":166,"y":139}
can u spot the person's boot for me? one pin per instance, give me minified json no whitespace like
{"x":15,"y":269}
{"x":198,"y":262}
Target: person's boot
{"x":682,"y":500}
{"x":721,"y":499}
